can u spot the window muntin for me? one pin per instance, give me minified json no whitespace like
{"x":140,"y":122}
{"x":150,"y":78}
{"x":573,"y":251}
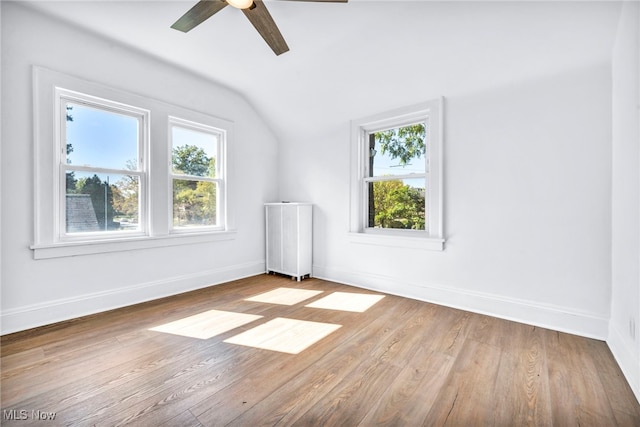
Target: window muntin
{"x":372,"y":170}
{"x":101,"y":174}
{"x":395,"y":177}
{"x":197,"y":157}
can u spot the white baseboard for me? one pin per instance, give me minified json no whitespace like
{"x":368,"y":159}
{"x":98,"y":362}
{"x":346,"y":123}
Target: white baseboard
{"x":627,"y":358}
{"x":543,"y":315}
{"x":31,"y":316}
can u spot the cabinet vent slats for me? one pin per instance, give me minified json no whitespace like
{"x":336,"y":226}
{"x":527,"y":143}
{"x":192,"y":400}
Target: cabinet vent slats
{"x":289,"y":233}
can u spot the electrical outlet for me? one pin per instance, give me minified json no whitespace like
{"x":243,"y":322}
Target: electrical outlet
{"x":632,"y":328}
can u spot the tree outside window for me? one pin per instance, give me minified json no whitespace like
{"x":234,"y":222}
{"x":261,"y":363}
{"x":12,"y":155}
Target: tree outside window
{"x":196,"y":176}
{"x":396,"y":178}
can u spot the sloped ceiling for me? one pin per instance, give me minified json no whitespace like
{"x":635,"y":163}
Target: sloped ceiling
{"x":351,"y":60}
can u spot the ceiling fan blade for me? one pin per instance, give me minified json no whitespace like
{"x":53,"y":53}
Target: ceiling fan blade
{"x":199,"y":13}
{"x":261,"y":19}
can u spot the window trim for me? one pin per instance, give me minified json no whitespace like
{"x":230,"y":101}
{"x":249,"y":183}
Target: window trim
{"x":432,"y":237}
{"x":368,"y":179}
{"x":63,"y":95}
{"x":47,"y":159}
{"x":220,"y":180}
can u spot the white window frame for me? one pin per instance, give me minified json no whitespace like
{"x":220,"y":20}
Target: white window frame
{"x":220,"y":180}
{"x":62,"y":96}
{"x":156,"y":200}
{"x":432,"y":238}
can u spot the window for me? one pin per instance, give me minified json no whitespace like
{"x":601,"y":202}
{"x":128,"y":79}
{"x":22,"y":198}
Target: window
{"x":102,"y":182}
{"x":396,"y":177}
{"x":197,"y":154}
{"x":116,"y":171}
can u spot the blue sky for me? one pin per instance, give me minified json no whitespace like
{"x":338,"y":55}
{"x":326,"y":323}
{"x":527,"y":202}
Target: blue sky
{"x":109,"y":140}
{"x":100,"y":138}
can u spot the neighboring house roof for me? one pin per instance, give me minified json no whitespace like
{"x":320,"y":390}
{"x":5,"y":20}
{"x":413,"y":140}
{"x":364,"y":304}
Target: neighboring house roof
{"x":81,"y":217}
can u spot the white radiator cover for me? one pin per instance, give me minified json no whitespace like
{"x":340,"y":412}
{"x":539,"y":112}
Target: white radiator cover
{"x":289,"y":238}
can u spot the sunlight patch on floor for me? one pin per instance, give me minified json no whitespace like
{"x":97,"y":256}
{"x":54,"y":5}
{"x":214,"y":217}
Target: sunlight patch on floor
{"x":284,"y":335}
{"x":346,"y":301}
{"x":206,"y":325}
{"x":284,"y":296}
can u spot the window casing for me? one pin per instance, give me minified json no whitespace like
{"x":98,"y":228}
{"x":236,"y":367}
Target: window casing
{"x":140,"y":177}
{"x":197,"y":176}
{"x":101,"y":148}
{"x":396,"y":187}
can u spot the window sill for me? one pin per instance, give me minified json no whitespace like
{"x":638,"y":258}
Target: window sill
{"x":67,"y":249}
{"x":396,"y":241}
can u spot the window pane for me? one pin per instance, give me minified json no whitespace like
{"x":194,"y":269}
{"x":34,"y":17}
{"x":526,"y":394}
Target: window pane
{"x":96,"y":137}
{"x":194,"y":203}
{"x":88,"y":193}
{"x":193,"y":152}
{"x":397,"y":204}
{"x":397,"y":151}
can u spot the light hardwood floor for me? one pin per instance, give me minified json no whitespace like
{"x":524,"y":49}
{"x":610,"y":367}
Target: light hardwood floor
{"x":398,"y":363}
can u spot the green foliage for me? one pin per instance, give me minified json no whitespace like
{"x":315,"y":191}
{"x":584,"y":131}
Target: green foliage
{"x":398,"y":206}
{"x":192,"y":160}
{"x":194,"y":202}
{"x":126,"y":193}
{"x":125,"y":197}
{"x":393,"y":204}
{"x":404,"y":143}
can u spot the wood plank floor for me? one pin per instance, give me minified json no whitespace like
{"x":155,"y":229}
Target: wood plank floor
{"x":399,"y":363}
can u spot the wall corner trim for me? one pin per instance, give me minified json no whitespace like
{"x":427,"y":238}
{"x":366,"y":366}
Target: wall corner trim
{"x":626,"y":358}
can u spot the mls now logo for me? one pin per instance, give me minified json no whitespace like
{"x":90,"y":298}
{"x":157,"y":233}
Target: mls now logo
{"x":15,"y":414}
{"x":23,"y":414}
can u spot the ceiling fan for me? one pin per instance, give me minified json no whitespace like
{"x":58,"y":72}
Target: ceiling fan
{"x":254,"y":10}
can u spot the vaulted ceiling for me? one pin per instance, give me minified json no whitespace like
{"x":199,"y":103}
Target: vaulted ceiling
{"x":351,"y":60}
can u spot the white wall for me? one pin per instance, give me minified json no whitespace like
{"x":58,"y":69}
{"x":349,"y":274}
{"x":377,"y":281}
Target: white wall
{"x":44,"y":291}
{"x":527,"y":206}
{"x":624,"y":326}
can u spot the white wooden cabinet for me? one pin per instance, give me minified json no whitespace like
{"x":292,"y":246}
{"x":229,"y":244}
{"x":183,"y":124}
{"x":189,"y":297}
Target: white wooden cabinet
{"x":289,"y":238}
